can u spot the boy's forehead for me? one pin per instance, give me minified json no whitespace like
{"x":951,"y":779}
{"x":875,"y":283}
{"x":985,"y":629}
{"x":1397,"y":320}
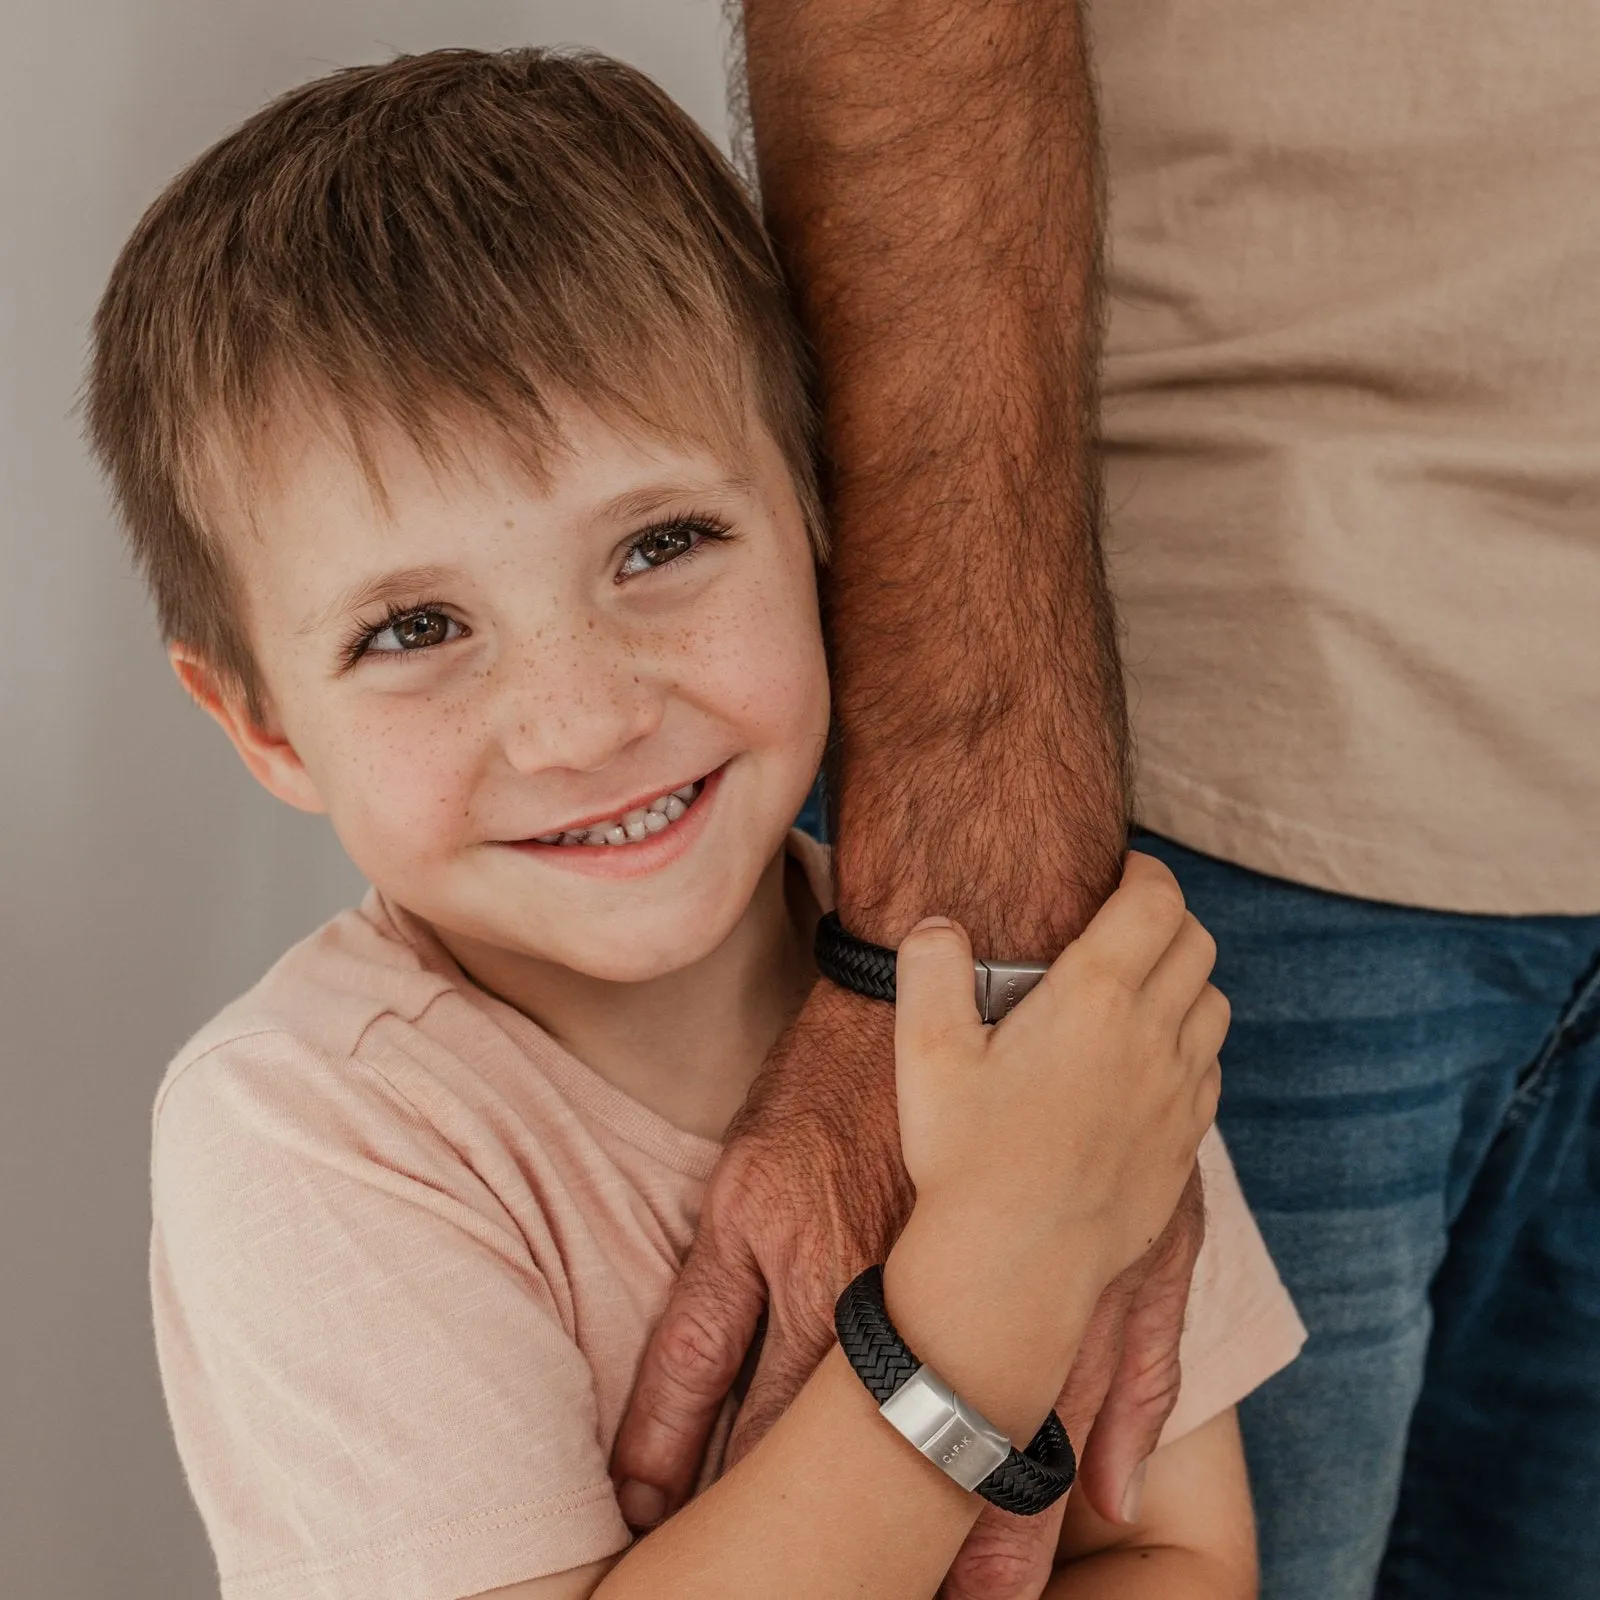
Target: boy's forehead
{"x":311,"y":446}
{"x":337,"y":509}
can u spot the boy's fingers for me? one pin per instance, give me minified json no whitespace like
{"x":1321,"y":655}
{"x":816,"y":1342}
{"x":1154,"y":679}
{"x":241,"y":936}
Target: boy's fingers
{"x":1202,"y":1031}
{"x":691,"y":1364}
{"x":934,"y":996}
{"x":1132,"y":931}
{"x":1177,"y":979}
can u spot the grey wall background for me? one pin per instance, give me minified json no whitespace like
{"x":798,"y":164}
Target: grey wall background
{"x":143,"y":880}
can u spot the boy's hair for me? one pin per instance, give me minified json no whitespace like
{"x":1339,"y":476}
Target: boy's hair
{"x":445,"y":242}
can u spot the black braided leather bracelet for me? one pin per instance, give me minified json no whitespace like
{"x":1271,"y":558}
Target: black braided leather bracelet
{"x":853,"y":963}
{"x":868,"y":969}
{"x":944,"y":1428}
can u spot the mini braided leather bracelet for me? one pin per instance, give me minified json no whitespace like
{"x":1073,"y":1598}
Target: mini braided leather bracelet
{"x":921,"y":1407}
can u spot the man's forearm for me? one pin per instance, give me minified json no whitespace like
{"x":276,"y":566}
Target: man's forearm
{"x":931,"y":175}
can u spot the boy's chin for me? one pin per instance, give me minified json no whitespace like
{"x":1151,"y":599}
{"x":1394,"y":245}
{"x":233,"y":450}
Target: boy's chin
{"x":642,"y":954}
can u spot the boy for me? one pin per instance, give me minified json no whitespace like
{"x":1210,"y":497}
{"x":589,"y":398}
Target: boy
{"x":460,"y":426}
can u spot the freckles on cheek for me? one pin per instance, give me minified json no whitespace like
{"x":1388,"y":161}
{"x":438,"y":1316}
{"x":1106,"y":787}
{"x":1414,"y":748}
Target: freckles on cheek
{"x":408,"y":778}
{"x":765,"y":667}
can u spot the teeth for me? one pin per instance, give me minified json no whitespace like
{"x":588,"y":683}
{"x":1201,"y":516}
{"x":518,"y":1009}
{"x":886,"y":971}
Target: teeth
{"x":633,"y":825}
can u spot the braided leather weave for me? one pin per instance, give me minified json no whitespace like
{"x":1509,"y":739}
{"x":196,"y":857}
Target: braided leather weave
{"x":852,"y":963}
{"x":1026,"y":1481}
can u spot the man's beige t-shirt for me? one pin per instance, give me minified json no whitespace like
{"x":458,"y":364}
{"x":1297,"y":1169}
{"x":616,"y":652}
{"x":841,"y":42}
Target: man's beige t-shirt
{"x":406,"y":1256}
{"x":1352,"y":425}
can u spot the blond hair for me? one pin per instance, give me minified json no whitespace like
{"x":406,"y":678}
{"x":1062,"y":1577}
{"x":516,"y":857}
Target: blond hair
{"x":445,"y":242}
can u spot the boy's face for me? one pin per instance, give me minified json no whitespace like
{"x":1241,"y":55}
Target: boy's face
{"x":489,"y":664}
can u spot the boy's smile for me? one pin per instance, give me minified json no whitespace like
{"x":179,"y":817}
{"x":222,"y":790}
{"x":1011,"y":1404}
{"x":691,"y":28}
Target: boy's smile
{"x":630,"y":840}
{"x":565,"y":720}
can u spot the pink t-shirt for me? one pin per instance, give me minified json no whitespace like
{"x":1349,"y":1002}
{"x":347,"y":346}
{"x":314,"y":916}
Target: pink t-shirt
{"x":406,"y":1256}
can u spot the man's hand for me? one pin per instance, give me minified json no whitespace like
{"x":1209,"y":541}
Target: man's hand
{"x":810,"y":1190}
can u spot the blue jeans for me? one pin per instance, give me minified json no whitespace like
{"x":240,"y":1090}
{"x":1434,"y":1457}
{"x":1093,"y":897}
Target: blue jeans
{"x":1412,"y":1099}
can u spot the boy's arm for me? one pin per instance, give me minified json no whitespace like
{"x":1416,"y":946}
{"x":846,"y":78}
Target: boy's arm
{"x":1068,"y":1133}
{"x":1195,"y":1536}
{"x":931,"y":175}
{"x":832,"y":1501}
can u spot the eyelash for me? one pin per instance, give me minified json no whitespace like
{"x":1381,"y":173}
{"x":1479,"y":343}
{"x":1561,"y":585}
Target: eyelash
{"x":712,"y":530}
{"x":360,"y":641}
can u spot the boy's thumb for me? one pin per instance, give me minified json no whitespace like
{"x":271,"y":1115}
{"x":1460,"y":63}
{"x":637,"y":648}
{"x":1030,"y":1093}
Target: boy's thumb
{"x":934,"y":991}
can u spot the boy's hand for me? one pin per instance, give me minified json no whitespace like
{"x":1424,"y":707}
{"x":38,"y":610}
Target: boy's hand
{"x":1070,"y":1130}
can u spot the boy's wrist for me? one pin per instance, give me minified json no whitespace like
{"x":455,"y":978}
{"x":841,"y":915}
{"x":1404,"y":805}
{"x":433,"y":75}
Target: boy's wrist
{"x":999,"y":1320}
{"x":1024,"y":1252}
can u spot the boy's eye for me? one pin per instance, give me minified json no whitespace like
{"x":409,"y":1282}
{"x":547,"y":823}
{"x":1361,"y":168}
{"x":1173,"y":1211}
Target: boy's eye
{"x":416,"y":630}
{"x":667,"y":542}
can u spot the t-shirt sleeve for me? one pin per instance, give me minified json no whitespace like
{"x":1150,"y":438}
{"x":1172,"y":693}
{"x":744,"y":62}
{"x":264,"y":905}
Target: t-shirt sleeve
{"x":1241,"y":1325}
{"x":375,"y":1391}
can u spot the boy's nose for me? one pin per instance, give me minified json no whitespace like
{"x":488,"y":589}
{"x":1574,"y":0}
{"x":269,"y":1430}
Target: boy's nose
{"x":577,"y":708}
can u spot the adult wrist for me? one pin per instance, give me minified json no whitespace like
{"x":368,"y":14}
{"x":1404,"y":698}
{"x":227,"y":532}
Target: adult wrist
{"x":859,"y":1035}
{"x":869,"y":969}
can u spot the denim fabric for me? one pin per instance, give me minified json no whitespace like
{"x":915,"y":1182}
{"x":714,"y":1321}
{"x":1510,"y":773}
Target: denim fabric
{"x":1412,"y":1099}
{"x":813,"y":818}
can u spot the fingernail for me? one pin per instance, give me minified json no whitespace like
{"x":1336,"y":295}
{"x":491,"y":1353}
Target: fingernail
{"x":642,"y":1504}
{"x":1133,"y":1495}
{"x":933,"y":922}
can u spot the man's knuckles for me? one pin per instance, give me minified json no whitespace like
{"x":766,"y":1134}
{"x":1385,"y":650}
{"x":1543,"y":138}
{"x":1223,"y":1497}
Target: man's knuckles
{"x":752,"y":1202}
{"x":1151,"y":1368}
{"x":698,"y":1357}
{"x":1004,"y":1558}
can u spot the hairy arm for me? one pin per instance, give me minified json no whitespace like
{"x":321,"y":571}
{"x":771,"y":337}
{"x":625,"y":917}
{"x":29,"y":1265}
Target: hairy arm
{"x":930,"y":174}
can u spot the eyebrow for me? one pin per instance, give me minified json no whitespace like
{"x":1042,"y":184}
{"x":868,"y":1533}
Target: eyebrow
{"x":641,"y":502}
{"x":386,"y":589}
{"x":408,"y":582}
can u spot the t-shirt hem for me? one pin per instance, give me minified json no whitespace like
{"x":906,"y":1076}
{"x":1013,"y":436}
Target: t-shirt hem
{"x":456,"y":1556}
{"x":1404,"y":873}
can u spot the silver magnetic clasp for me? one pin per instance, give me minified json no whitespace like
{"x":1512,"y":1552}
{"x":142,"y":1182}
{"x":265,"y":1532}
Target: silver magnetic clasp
{"x":1001,"y":984}
{"x":960,"y":1441}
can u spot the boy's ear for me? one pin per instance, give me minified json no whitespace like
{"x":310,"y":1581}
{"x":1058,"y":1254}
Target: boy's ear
{"x":270,"y":757}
